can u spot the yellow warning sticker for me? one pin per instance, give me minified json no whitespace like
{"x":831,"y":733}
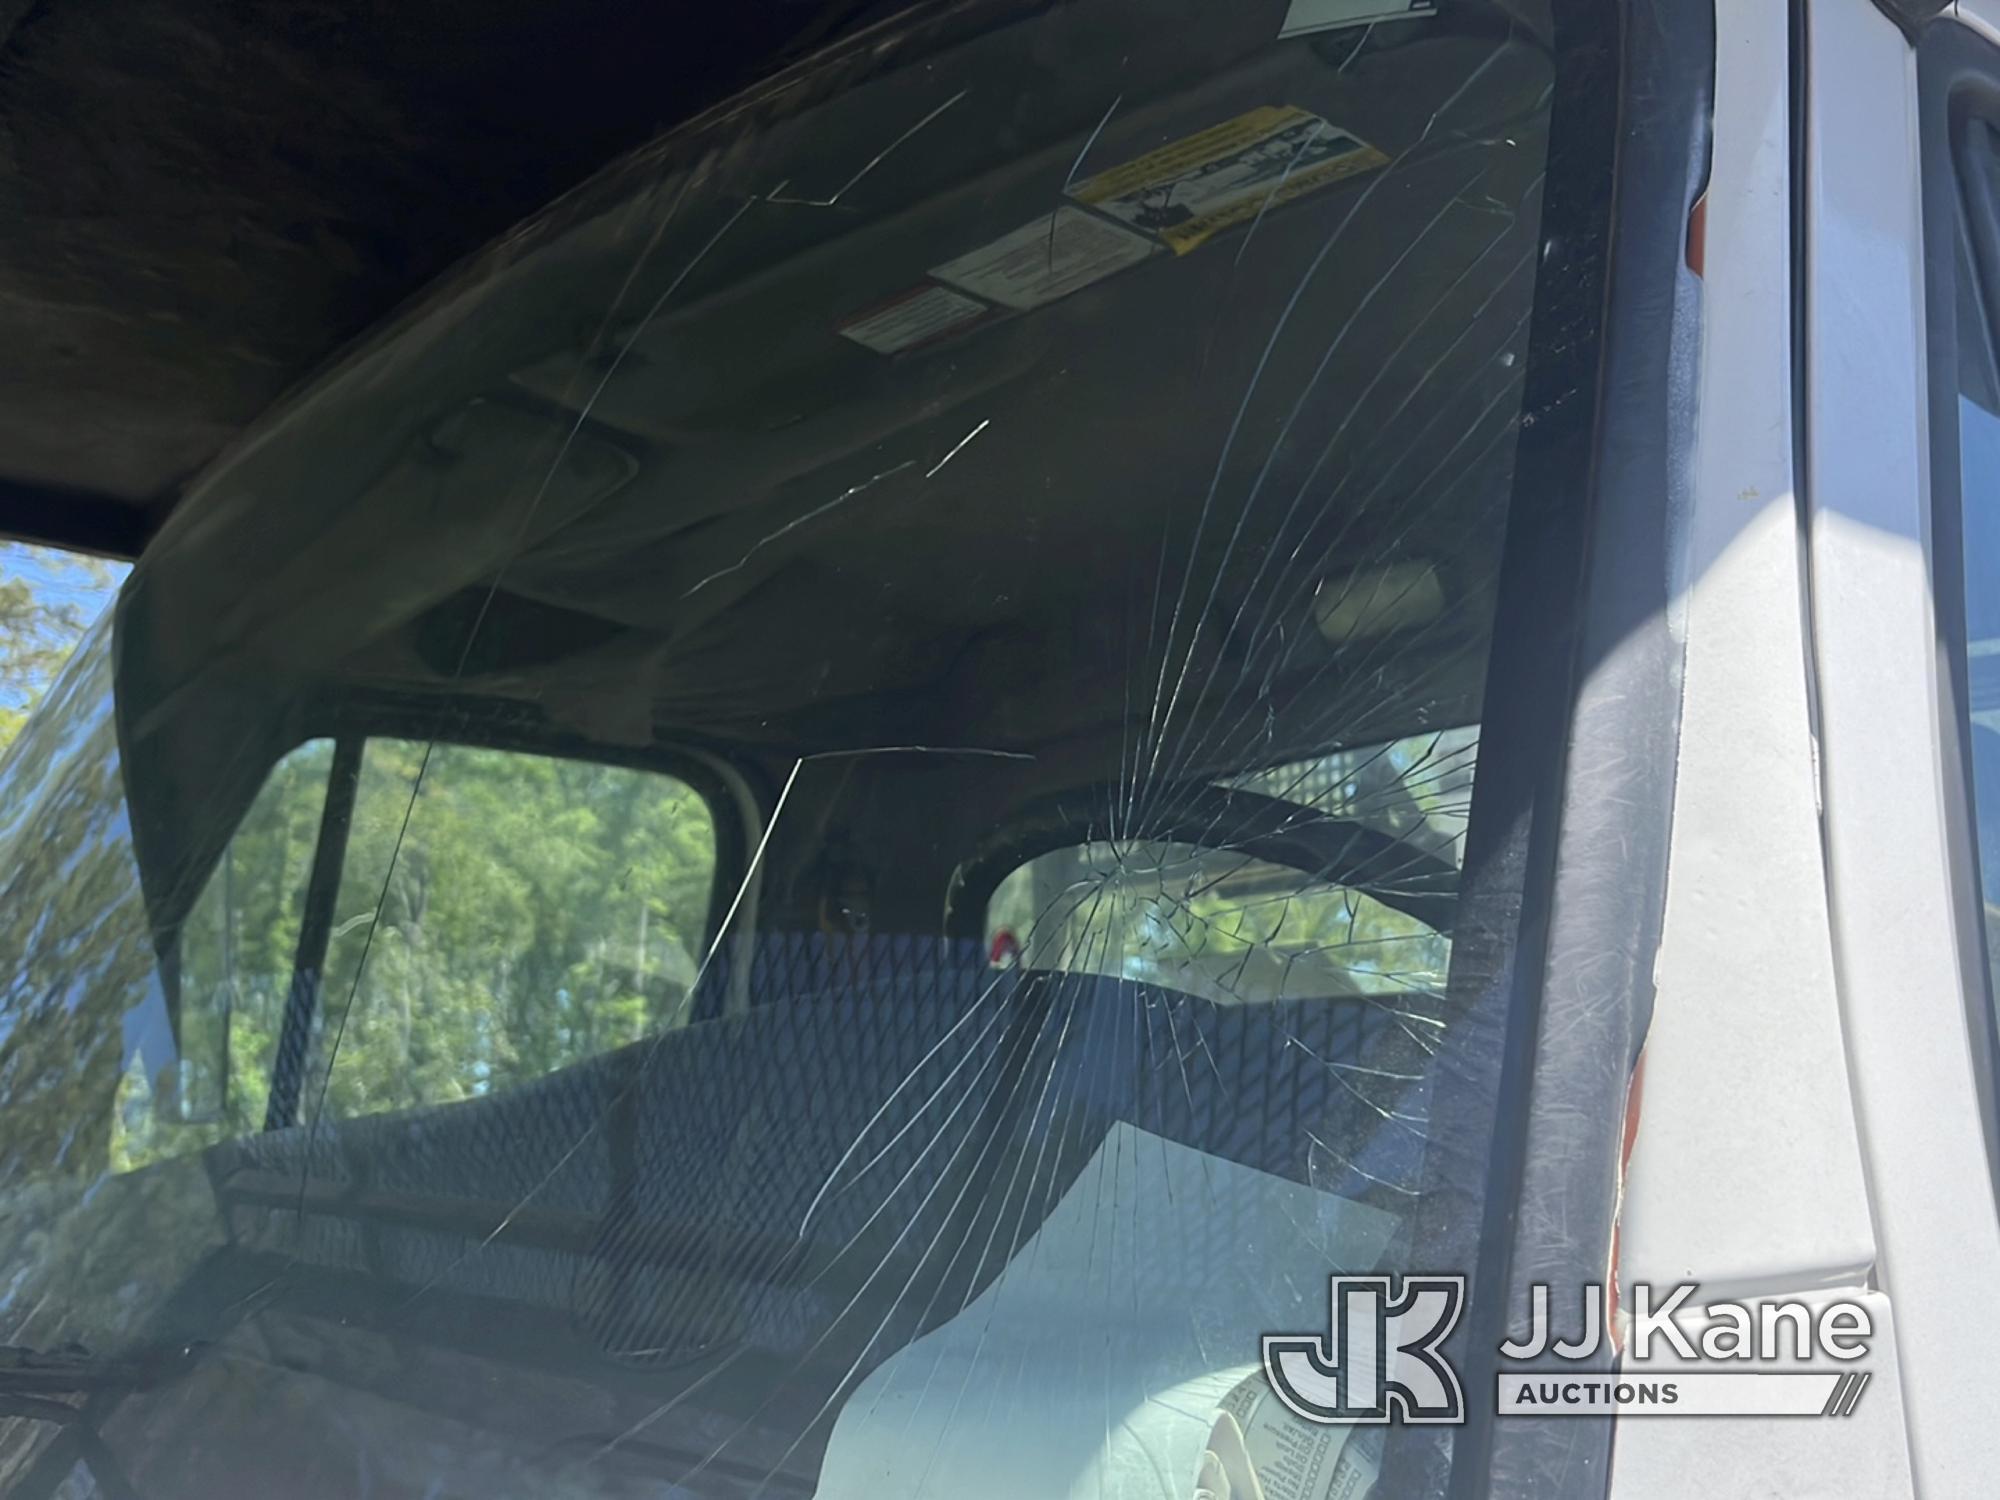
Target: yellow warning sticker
{"x":1191,"y":190}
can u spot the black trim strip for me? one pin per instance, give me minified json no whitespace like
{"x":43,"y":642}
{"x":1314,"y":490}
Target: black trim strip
{"x":1608,"y":899}
{"x":1913,"y":16}
{"x":75,"y":519}
{"x":1564,"y":891}
{"x":288,"y":1071}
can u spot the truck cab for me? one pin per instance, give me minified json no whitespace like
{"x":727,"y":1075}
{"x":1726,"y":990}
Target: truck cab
{"x":867,"y":811}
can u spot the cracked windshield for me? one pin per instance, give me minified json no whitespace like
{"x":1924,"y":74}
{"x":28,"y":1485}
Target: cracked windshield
{"x":805,"y":836}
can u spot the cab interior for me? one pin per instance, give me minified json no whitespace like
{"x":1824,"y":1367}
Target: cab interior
{"x":1183,"y":577}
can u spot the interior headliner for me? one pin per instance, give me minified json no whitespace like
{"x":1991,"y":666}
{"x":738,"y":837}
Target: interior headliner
{"x":204,"y":202}
{"x":786,"y":539}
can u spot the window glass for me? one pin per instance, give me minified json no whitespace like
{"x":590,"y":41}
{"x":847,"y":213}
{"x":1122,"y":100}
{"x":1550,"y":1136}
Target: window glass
{"x":1979,"y":451}
{"x":541,"y":911}
{"x":1215,"y":923}
{"x":1979,"y":513}
{"x":1418,"y":790}
{"x":1048,"y":441}
{"x":1209,"y":917}
{"x":234,"y":955}
{"x":538,"y":911}
{"x":80,"y":995}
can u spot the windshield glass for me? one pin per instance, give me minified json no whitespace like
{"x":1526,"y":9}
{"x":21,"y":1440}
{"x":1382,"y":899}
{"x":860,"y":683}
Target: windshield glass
{"x":806,"y":837}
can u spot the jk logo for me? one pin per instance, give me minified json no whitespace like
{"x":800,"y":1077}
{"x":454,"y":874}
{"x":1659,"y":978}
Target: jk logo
{"x":1379,"y":1360}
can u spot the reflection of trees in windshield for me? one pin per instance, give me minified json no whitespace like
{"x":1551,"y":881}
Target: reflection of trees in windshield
{"x":48,"y":599}
{"x":86,"y":1259}
{"x":75,"y":957}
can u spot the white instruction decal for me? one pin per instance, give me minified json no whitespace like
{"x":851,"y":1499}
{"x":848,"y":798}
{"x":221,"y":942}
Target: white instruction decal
{"x":1046,"y":260}
{"x":914,"y":317}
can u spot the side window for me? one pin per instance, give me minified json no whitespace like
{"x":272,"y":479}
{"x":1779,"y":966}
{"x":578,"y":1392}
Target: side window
{"x":1979,"y":429}
{"x":1976,"y":254}
{"x":239,"y":943}
{"x":538,"y":911}
{"x":495,"y":915}
{"x":234,"y":957}
{"x":1325,"y":878}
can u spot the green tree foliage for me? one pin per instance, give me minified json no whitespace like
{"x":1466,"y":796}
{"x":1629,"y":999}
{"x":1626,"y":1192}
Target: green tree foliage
{"x":500,"y":915}
{"x":539,"y":911}
{"x":1235,"y":929}
{"x":536,"y":911}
